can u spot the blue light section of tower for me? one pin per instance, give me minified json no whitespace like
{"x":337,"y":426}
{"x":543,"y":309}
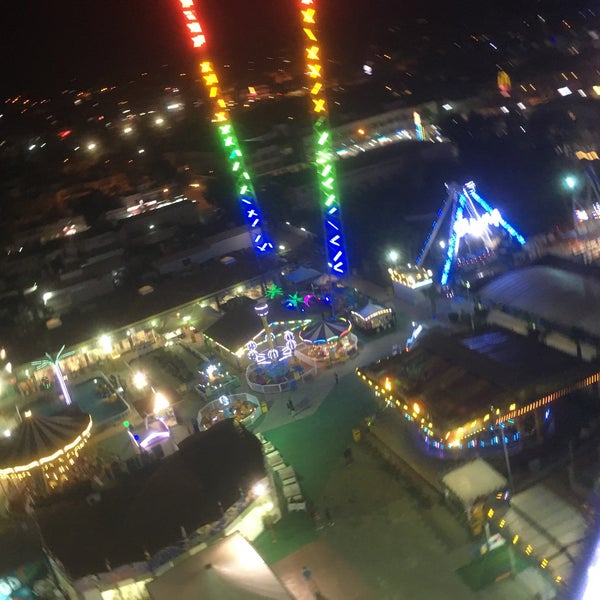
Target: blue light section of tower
{"x":337,"y":260}
{"x":244,"y":187}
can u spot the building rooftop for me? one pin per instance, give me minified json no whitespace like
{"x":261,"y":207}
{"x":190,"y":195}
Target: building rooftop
{"x":142,"y":512}
{"x":459,"y":376}
{"x":124,"y":307}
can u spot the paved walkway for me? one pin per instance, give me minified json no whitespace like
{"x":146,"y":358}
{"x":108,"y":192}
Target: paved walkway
{"x":383,"y":543}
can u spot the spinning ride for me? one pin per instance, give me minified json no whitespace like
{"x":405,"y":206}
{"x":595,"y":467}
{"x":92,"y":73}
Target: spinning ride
{"x":474,"y":229}
{"x":45,"y":448}
{"x":329,"y":339}
{"x":273,"y":364}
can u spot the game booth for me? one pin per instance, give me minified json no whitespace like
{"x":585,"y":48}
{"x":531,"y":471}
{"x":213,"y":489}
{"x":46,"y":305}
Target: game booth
{"x":373,"y":318}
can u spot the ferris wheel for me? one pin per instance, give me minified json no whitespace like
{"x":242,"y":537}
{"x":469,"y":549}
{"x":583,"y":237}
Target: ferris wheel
{"x":337,"y":261}
{"x":467,"y":229}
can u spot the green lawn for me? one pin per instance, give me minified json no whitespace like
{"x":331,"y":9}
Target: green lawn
{"x":293,"y":531}
{"x":315,"y":445}
{"x":493,"y":565}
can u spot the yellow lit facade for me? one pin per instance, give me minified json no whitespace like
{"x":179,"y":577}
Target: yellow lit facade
{"x":54,"y":467}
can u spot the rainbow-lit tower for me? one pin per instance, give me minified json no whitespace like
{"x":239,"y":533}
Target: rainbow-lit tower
{"x":245,"y":189}
{"x":337,"y":259}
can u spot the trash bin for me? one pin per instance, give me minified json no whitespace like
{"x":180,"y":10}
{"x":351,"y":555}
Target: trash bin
{"x":264,"y":407}
{"x":356,"y":435}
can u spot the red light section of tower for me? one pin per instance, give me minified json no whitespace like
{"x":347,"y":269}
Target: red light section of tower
{"x":63,"y":134}
{"x":197,"y":36}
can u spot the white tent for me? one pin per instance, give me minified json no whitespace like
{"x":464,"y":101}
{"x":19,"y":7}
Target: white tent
{"x":473,"y":480}
{"x":370,"y":308}
{"x":555,"y":529}
{"x":231,"y":569}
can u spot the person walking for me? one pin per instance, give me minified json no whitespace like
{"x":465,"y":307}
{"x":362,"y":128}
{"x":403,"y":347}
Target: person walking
{"x":291,"y":407}
{"x":348,"y":456}
{"x":337,"y":377}
{"x":307,"y":574}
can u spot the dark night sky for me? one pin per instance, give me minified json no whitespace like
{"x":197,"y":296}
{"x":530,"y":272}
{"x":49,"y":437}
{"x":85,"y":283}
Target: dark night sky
{"x":44,"y":43}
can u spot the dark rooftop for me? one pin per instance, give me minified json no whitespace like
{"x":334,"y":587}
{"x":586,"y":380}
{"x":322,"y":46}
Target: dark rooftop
{"x":458,"y":376}
{"x":147,"y":508}
{"x":126,"y":306}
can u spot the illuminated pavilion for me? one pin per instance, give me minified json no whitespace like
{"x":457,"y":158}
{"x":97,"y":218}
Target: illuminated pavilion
{"x":44,"y":449}
{"x":463,"y":391}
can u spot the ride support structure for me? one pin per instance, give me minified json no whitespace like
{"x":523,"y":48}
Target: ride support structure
{"x":244,"y":187}
{"x":465,"y":214}
{"x":337,"y":259}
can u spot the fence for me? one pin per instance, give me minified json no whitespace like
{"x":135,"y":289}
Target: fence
{"x":285,"y":385}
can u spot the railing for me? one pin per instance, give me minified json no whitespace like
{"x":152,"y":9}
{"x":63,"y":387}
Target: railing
{"x":282,"y":386}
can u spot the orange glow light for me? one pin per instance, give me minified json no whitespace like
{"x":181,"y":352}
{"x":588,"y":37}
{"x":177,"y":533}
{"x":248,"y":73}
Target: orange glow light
{"x":195,"y":29}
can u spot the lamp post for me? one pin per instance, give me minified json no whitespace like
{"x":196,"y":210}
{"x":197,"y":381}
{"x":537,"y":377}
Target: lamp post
{"x":393,"y":255}
{"x":499,"y":426}
{"x":571,"y":183}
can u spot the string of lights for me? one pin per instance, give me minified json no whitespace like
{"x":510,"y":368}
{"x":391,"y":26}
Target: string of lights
{"x":244,"y":186}
{"x":337,"y":259}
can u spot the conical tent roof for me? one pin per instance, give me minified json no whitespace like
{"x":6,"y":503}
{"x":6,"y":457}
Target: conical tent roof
{"x":38,"y":436}
{"x":324,"y":331}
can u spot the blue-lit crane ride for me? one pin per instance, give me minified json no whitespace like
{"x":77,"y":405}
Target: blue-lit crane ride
{"x":468,"y":217}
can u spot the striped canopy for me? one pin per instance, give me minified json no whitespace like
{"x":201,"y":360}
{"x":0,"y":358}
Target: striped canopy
{"x":38,"y":437}
{"x":328,"y":330}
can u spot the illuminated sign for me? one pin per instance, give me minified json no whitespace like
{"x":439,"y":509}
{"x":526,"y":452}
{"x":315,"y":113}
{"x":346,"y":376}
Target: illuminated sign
{"x":477,"y":226}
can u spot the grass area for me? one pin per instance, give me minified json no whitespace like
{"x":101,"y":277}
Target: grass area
{"x":314,"y":445}
{"x":293,"y":531}
{"x":493,"y":565}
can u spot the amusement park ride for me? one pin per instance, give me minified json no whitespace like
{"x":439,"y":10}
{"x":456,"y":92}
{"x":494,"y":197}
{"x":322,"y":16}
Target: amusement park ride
{"x":469,"y":230}
{"x":475,"y":230}
{"x":326,"y":174}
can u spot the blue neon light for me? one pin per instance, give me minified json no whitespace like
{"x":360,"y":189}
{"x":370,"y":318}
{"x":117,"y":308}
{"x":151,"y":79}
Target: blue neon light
{"x":453,"y":242}
{"x":507,"y":227}
{"x":439,"y":214}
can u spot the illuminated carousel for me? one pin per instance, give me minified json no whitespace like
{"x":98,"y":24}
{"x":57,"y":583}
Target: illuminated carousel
{"x":329,"y":340}
{"x":44,"y":451}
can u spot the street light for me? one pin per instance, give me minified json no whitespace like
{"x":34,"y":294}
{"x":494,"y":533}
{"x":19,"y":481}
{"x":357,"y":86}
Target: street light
{"x":393,"y":255}
{"x":161,"y":403}
{"x":500,"y":426}
{"x":570,"y":182}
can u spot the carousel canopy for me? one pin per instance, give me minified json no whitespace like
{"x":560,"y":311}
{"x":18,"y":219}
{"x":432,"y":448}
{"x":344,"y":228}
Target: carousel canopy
{"x":38,"y":437}
{"x":324,"y":331}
